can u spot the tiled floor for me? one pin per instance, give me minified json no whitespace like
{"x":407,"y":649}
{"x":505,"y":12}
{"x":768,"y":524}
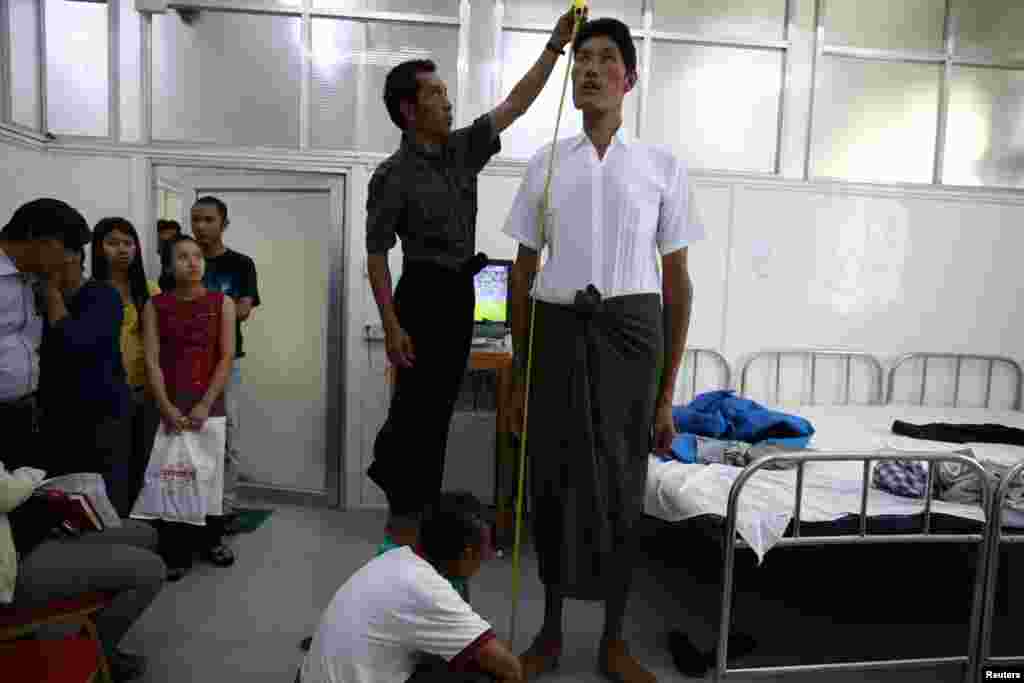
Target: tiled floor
{"x":244,"y":623}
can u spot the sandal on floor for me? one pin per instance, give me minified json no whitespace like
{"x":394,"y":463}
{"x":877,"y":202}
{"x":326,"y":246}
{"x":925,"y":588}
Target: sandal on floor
{"x":540,"y":658}
{"x":221,"y":556}
{"x":176,"y":573}
{"x":627,"y":669}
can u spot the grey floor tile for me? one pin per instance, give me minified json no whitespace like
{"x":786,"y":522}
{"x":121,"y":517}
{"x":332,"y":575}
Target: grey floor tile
{"x":243,"y":623}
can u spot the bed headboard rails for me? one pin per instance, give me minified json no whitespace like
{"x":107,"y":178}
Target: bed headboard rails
{"x":958,"y":361}
{"x":807,"y":368}
{"x":697,"y":364}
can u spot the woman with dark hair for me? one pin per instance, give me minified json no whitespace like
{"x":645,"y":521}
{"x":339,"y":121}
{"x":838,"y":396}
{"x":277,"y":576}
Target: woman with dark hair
{"x":190,"y":346}
{"x":117,"y":261}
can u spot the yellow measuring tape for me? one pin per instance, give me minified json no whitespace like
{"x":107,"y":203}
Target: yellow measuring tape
{"x":580,"y":8}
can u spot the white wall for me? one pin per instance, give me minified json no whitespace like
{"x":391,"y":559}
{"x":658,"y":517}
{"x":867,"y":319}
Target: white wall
{"x":98,"y":187}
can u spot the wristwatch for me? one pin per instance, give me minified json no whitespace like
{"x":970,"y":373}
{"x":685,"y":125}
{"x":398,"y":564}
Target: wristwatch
{"x":554,"y":49}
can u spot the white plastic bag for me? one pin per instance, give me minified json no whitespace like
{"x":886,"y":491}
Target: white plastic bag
{"x":185,"y":477}
{"x":92,"y":486}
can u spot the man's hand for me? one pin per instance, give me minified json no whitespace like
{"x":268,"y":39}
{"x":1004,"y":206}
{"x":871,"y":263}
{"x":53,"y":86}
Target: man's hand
{"x":198,"y":417}
{"x":562,"y":35}
{"x":399,"y":347}
{"x":664,"y":428}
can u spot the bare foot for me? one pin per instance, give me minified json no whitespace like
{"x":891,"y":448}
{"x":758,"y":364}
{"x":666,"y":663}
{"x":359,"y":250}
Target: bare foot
{"x":617,"y":665}
{"x":541,"y":657}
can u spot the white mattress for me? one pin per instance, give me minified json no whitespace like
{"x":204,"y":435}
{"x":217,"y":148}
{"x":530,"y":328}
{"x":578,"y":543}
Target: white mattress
{"x":677,"y":491}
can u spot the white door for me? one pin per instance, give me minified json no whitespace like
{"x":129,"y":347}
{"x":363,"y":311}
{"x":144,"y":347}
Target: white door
{"x":284,"y":397}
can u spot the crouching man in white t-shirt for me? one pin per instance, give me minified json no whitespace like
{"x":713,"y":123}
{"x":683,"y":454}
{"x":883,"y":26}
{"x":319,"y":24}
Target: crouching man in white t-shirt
{"x":399,"y":620}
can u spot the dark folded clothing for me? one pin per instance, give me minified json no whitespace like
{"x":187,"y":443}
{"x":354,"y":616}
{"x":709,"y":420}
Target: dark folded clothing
{"x":963,"y":433}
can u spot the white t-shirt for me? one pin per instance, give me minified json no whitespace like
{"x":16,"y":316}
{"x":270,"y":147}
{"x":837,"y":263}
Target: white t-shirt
{"x":396,"y":606}
{"x":608,"y":220}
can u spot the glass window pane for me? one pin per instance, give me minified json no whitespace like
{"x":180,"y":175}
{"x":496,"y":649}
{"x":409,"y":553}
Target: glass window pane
{"x":984,"y":134}
{"x":545,"y":12}
{"x":351,"y":60}
{"x":130,"y":27}
{"x":990,"y":29}
{"x":444,"y":8}
{"x":77,"y":76}
{"x":227,"y":78}
{"x":884,"y":24}
{"x":729,"y":128}
{"x":536,"y":127}
{"x":756,"y":19}
{"x":876,"y":121}
{"x":24,"y":20}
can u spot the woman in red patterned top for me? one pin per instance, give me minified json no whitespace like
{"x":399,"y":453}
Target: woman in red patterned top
{"x":190,"y":344}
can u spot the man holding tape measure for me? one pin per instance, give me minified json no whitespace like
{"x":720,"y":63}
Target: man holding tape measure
{"x":426,"y":193}
{"x":612,"y":310}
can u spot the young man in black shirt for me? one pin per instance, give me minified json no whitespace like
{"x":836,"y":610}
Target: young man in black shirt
{"x":426,"y":194}
{"x":166,"y":231}
{"x":234,"y":274}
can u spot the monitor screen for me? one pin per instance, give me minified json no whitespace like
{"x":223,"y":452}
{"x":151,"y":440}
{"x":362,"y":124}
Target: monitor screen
{"x":492,"y":291}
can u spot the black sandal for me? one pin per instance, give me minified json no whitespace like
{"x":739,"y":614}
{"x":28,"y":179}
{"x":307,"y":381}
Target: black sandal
{"x":221,"y":555}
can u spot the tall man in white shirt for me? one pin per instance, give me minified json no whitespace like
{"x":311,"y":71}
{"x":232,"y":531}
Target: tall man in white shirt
{"x":609,"y":340}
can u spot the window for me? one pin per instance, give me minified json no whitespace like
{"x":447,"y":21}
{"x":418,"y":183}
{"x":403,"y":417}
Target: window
{"x":229,"y":78}
{"x":876,"y":121}
{"x":908,"y":24}
{"x":717,"y":107}
{"x":444,"y":8}
{"x":77,"y":70}
{"x":984,"y":136}
{"x":24,"y":54}
{"x":743,"y":19}
{"x":536,"y":127}
{"x":896,"y":102}
{"x":350,"y":62}
{"x":545,"y":13}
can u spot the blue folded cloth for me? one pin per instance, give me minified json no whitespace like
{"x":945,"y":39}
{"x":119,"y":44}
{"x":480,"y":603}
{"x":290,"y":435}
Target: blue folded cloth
{"x":723,"y":415}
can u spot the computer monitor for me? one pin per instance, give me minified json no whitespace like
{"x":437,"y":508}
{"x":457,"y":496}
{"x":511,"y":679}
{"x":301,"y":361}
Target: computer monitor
{"x":492,"y":292}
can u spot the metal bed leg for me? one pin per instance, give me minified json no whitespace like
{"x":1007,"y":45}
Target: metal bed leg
{"x":981,"y":605}
{"x":727,"y":592}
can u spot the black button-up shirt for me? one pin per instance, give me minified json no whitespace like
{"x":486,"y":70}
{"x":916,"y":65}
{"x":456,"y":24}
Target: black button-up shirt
{"x":429,"y":197}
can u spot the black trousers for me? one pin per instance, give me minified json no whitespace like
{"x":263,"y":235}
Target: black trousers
{"x":143,"y":425}
{"x":435,"y":673}
{"x":433,"y":669}
{"x":18,"y":420}
{"x":435,"y":307}
{"x":179,"y":542}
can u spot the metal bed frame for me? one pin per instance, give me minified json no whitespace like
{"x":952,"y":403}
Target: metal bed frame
{"x":695,"y":354}
{"x":814,"y":354}
{"x":1013,"y":365}
{"x":996,"y":540}
{"x":982,"y":540}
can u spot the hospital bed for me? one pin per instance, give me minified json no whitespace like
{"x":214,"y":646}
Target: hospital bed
{"x":828,"y":488}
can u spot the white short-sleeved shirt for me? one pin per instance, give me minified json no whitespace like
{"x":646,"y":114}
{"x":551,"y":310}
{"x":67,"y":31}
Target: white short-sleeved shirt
{"x":609,"y":219}
{"x":396,"y":606}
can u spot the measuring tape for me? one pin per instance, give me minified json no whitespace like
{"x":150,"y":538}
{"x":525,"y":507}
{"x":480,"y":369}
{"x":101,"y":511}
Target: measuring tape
{"x":580,"y":9}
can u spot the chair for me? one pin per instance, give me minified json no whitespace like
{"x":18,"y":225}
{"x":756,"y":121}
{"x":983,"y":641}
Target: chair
{"x":74,"y":659}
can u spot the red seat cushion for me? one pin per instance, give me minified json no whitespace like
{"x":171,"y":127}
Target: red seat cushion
{"x":17,"y":616}
{"x":66,"y":660}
